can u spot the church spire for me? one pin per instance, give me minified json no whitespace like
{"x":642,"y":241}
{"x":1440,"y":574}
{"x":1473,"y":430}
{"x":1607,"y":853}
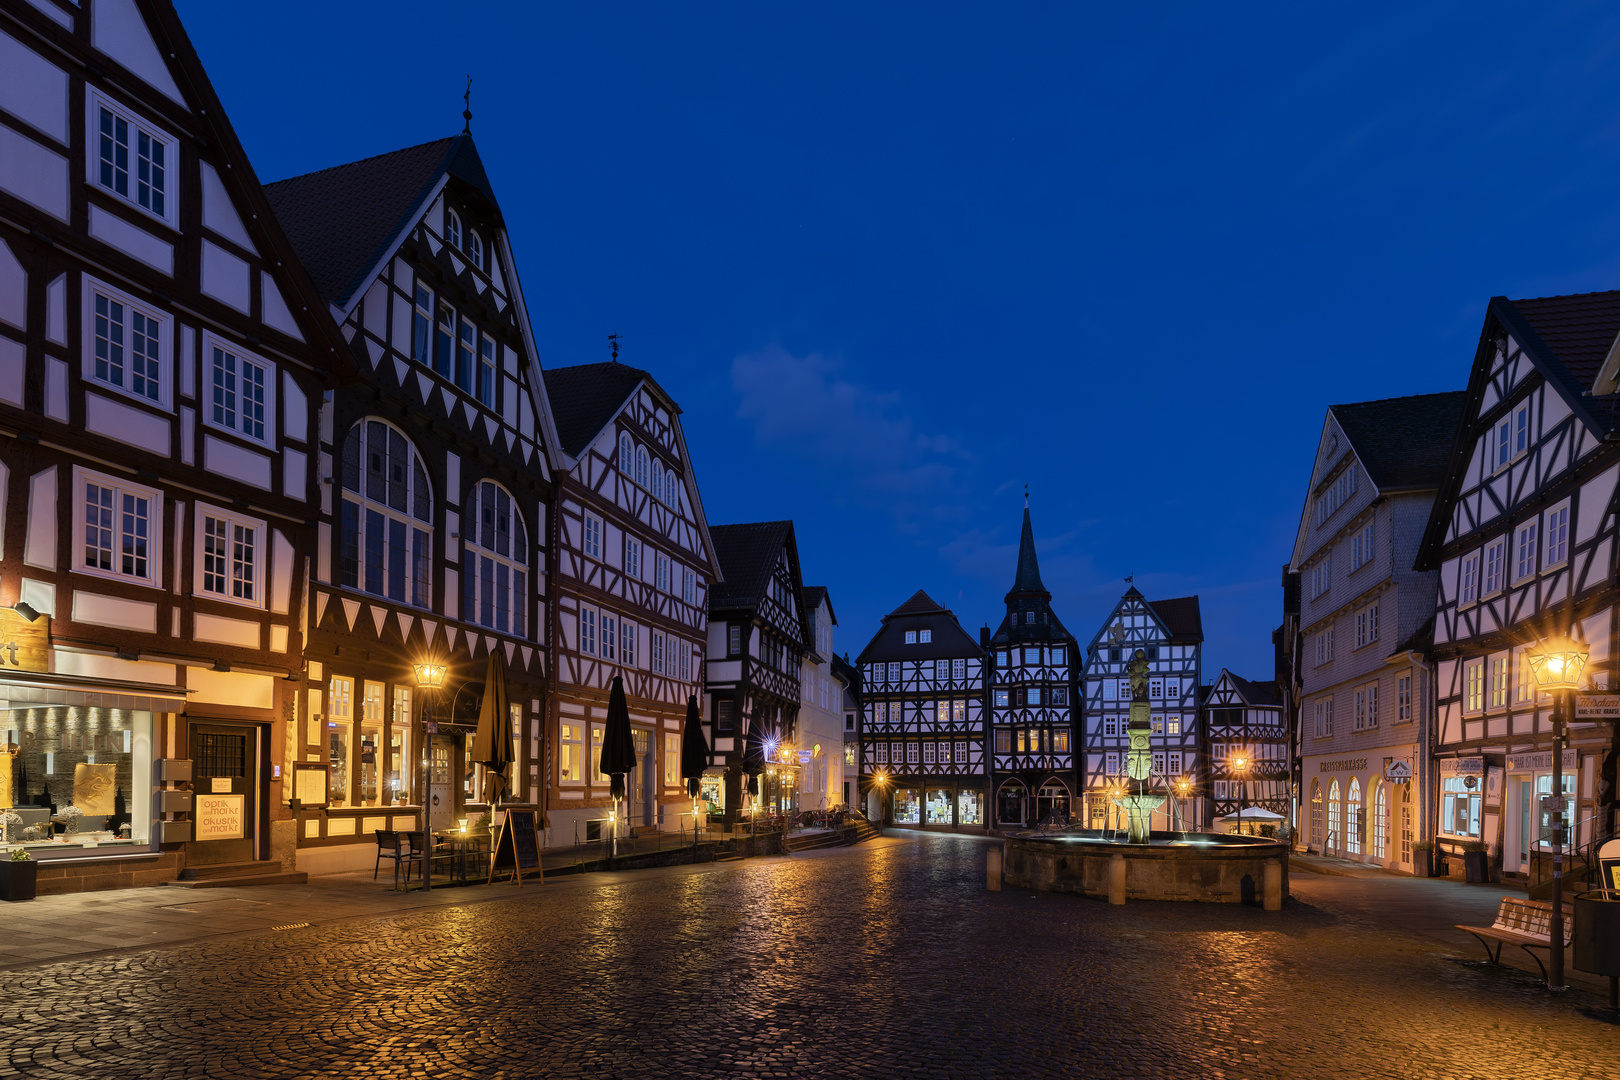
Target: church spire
{"x":1028,"y":579}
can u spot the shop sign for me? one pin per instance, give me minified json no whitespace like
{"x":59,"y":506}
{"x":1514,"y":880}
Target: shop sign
{"x":218,"y":817}
{"x":1398,"y":770}
{"x":24,"y":645}
{"x":1462,"y":766}
{"x":1345,"y":765}
{"x":1597,"y":706}
{"x":1541,"y":762}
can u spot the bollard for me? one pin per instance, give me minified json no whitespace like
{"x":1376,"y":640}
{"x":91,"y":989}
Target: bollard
{"x":992,"y":868}
{"x":1116,"y":879}
{"x":1273,"y":885}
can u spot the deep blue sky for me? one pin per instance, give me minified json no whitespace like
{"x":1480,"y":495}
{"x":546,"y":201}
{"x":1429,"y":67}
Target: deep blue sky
{"x":897,"y":261}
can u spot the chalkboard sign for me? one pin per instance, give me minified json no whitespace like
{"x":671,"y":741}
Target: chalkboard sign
{"x":517,"y":848}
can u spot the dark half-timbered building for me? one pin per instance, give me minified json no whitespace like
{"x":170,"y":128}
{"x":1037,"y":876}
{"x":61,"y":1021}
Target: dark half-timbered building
{"x":630,"y":590}
{"x":1171,"y":634}
{"x":758,"y":635}
{"x":1523,"y":535}
{"x":1249,"y":754}
{"x":1034,"y":699}
{"x":162,"y":354}
{"x":922,"y":739}
{"x":433,"y":524}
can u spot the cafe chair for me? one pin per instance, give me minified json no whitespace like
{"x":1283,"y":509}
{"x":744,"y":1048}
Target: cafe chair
{"x":398,"y":847}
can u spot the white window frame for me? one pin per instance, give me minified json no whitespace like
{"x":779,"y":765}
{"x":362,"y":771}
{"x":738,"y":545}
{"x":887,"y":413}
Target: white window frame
{"x":632,"y":558}
{"x":87,"y":339}
{"x":1489,"y":586}
{"x":925,"y":636}
{"x":1498,"y":676}
{"x":571,"y":766}
{"x":453,"y":230}
{"x":95,"y":101}
{"x":1468,"y":580}
{"x":688,"y":586}
{"x":586,"y":631}
{"x":201,"y":511}
{"x":663,"y":570}
{"x":1555,"y":552}
{"x":155,"y":521}
{"x":1403,"y":698}
{"x":1526,"y":549}
{"x":590,"y":538}
{"x":1473,"y":686}
{"x":911,"y":637}
{"x":628,"y":638}
{"x":365,"y":505}
{"x":516,"y":563}
{"x":205,"y":389}
{"x":1361,"y":547}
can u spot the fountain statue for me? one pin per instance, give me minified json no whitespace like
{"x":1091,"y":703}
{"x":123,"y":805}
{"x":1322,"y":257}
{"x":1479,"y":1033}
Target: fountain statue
{"x":1138,"y":802}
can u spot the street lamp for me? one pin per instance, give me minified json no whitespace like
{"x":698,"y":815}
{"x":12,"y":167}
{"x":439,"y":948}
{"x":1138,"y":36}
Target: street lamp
{"x":1183,"y":789}
{"x":1557,"y":665}
{"x":429,"y":678}
{"x":1240,"y":765}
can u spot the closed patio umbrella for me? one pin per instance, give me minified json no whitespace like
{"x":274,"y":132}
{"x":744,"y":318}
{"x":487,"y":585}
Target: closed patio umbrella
{"x":492,"y":744}
{"x":694,"y":749}
{"x":618,"y":747}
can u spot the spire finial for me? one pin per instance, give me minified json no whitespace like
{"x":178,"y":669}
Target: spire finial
{"x":613,"y":342}
{"x":466,"y":109}
{"x":1026,"y":496}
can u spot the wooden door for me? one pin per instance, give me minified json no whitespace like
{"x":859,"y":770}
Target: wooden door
{"x":225,"y":792}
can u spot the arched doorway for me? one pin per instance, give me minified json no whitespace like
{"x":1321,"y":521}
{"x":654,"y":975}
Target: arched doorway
{"x":1335,"y":820}
{"x":1380,"y":820}
{"x":1010,"y":803}
{"x":1355,"y":821}
{"x":1316,"y":816}
{"x":1053,"y":799}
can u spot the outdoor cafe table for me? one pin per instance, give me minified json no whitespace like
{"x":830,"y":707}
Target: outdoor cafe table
{"x":465,"y":849}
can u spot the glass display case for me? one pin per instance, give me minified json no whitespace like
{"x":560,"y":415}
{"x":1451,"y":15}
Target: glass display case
{"x":74,"y":778}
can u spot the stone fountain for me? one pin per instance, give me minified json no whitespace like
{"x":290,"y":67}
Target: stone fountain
{"x":1139,"y":803}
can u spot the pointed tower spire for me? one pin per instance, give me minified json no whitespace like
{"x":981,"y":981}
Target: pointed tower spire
{"x":1028,"y":579}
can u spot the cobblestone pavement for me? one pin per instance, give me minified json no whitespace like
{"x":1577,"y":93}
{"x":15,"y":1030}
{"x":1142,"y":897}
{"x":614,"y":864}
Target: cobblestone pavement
{"x":893,"y":961}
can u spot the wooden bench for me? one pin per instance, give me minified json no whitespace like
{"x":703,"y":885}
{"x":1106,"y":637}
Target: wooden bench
{"x":1525,"y":923}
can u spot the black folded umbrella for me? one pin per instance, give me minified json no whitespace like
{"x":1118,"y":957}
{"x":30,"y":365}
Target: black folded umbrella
{"x":694,"y":749}
{"x":618,"y":746}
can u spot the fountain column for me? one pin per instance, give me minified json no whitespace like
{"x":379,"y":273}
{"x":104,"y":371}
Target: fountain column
{"x":1139,"y":803}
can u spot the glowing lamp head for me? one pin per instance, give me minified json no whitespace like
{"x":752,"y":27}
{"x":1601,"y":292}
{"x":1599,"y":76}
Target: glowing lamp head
{"x":1557,"y":664}
{"x":1240,"y":763}
{"x":429,"y":674}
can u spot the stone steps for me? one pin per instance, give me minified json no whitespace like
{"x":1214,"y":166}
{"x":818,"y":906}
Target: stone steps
{"x":231,"y":875}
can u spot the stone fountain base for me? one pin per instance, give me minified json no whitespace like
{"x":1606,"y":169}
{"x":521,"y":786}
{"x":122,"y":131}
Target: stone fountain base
{"x":1198,"y":867}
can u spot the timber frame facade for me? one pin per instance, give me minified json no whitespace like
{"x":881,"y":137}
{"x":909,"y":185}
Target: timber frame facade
{"x":631,"y":585}
{"x":1243,"y":718}
{"x":162,"y":356}
{"x":436,"y":467}
{"x":1524,"y":538}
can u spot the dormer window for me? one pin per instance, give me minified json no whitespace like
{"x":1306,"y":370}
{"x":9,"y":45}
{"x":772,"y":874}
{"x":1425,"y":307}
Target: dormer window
{"x":911,"y":637}
{"x":925,"y":636}
{"x":452,"y":228}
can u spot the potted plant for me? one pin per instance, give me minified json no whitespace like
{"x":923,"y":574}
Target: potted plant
{"x":19,"y":876}
{"x":1476,"y":862}
{"x":1423,"y":858}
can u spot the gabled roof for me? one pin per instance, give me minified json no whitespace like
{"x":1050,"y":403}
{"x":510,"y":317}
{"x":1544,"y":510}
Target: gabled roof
{"x":1403,"y":443}
{"x":1181,"y":618}
{"x":344,"y":220}
{"x":747,"y":555}
{"x":814,"y":595}
{"x":920,"y":612}
{"x":1256,"y":693}
{"x":1574,"y":344}
{"x":585,"y":399}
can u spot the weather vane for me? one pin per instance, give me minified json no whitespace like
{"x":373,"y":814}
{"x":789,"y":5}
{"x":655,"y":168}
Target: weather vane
{"x":466,"y":109}
{"x":613,"y":342}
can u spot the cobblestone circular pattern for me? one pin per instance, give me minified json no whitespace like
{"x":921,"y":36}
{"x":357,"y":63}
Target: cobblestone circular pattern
{"x":892,"y":962}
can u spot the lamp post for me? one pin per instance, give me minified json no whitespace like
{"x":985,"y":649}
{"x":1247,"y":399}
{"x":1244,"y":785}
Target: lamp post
{"x":1183,"y":789}
{"x":1557,"y":665}
{"x":429,"y":678}
{"x":1240,"y":766}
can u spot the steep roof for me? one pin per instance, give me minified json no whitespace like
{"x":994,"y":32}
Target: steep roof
{"x":814,"y":595}
{"x":747,"y":554}
{"x":1571,"y":336}
{"x":1028,"y":577}
{"x":920,"y":612}
{"x":1403,"y":443}
{"x":1257,"y":693}
{"x":344,"y":219}
{"x":585,"y":397}
{"x":1181,"y":617}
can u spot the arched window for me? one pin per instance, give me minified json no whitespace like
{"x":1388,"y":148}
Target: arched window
{"x":1053,"y":799}
{"x":386,"y":547}
{"x":1010,"y":803}
{"x":672,"y":495}
{"x":641,"y":465}
{"x":1316,"y":815}
{"x":495,"y":561}
{"x":475,"y":249}
{"x":452,"y":229}
{"x":1380,"y":837}
{"x":1353,"y":818}
{"x":1335,"y":820}
{"x":656,"y":475}
{"x":627,"y":455}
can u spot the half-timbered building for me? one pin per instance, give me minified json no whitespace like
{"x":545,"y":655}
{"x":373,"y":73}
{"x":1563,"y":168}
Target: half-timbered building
{"x":1034,"y":699}
{"x":162,"y":354}
{"x":1248,"y":752}
{"x":821,"y":709}
{"x":630,"y":589}
{"x":848,"y":677}
{"x":923,"y":753}
{"x":1523,"y":535}
{"x":759,"y":632}
{"x":1364,"y":688}
{"x":1171,"y":634}
{"x":432,"y":526}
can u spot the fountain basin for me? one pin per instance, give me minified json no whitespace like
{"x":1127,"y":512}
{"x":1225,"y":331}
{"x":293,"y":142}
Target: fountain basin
{"x":1212,"y":868}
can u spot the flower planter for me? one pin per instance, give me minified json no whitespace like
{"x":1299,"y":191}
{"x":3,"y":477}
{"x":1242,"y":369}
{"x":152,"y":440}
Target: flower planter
{"x":1476,"y":867}
{"x":1422,"y":863}
{"x":18,"y":880}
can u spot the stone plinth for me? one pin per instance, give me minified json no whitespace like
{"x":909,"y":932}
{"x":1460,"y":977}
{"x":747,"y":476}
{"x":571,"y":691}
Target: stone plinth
{"x":1204,"y":868}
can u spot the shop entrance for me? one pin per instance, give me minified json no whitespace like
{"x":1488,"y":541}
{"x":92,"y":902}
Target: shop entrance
{"x":441,"y":782}
{"x":225,"y":795}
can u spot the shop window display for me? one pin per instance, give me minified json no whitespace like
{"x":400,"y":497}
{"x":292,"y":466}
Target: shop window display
{"x":73,"y":778}
{"x":907,"y":810}
{"x":970,"y":808}
{"x":939,"y":807}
